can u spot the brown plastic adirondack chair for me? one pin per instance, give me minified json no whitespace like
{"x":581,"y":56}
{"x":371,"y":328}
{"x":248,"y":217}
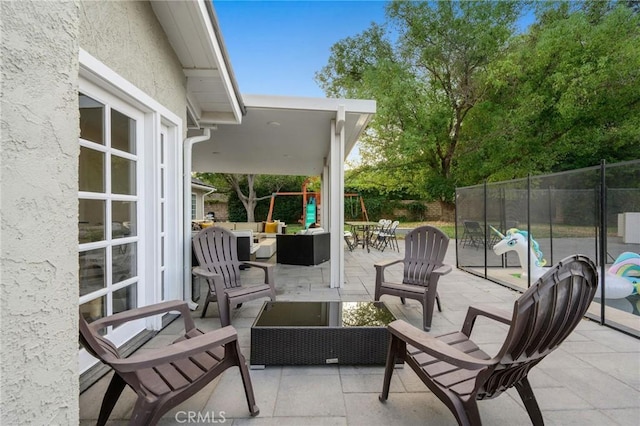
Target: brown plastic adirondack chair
{"x":425,"y":248}
{"x":165,"y":377}
{"x":460,"y":374}
{"x":217,"y":252}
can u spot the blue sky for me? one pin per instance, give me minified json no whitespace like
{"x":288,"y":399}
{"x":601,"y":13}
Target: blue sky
{"x":276,"y":47}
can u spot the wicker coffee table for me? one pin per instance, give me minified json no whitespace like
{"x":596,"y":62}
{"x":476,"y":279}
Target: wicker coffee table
{"x":318,"y":333}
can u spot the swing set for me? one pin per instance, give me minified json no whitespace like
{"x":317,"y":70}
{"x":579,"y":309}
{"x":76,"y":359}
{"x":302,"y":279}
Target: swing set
{"x":305,"y":200}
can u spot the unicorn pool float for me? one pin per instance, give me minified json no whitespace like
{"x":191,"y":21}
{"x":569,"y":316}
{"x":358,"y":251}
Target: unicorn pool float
{"x":622,"y":279}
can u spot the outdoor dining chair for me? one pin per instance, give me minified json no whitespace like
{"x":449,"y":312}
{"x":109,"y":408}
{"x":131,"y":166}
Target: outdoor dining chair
{"x":459,"y":373}
{"x":473,"y":235}
{"x":163,"y":378}
{"x":388,"y":237}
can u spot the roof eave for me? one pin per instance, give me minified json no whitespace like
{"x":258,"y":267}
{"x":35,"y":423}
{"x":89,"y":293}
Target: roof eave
{"x":205,"y":63}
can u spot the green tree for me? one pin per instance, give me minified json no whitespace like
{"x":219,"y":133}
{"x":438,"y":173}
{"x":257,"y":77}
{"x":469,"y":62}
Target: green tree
{"x":425,"y":82}
{"x":566,"y":95}
{"x":250,"y":189}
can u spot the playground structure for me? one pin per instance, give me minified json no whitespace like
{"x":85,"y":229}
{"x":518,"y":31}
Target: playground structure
{"x":310,"y":204}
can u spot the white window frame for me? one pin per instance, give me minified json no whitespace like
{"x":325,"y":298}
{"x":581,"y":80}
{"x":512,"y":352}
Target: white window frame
{"x":99,"y":81}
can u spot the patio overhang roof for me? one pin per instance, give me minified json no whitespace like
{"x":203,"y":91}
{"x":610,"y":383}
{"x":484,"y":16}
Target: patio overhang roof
{"x":282,"y":136}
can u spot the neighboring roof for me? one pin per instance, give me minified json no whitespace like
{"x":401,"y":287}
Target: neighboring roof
{"x":193,"y":32}
{"x":197,"y":183}
{"x":297,"y":145}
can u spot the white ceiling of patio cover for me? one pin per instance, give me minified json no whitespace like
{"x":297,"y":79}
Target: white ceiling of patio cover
{"x":298,"y":145}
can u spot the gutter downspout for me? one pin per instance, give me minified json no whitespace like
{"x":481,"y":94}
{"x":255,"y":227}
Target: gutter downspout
{"x":186,"y":178}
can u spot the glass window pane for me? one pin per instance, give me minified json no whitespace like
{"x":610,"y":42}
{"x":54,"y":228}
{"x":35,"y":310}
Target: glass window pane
{"x":161,"y":148}
{"x":94,"y":309}
{"x":91,"y":221}
{"x":92,"y":270}
{"x":126,"y":298}
{"x":123,"y":176}
{"x":91,"y":119}
{"x":162,"y":284}
{"x":124,"y":262}
{"x":91,"y":173}
{"x":162,"y":251}
{"x":161,"y":217}
{"x":123,"y":135}
{"x":123,"y":215}
{"x":162,"y":183}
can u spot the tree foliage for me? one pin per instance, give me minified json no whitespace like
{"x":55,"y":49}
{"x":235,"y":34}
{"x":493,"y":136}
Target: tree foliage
{"x":463,"y":96}
{"x":425,"y":83}
{"x":250,"y":195}
{"x":566,"y":95}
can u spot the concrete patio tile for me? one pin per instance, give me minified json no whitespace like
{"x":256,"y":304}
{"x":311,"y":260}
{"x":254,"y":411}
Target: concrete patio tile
{"x":160,"y":341}
{"x":410,"y":380}
{"x":265,"y":387}
{"x":503,"y":410}
{"x":559,"y":398}
{"x":577,"y":418}
{"x":539,"y":378}
{"x":176,"y":328}
{"x":597,"y":388}
{"x":623,"y":366}
{"x":364,"y":409}
{"x":211,"y":321}
{"x":304,"y":396}
{"x":311,"y":370}
{"x":369,"y":383}
{"x":623,"y":416}
{"x":347,"y":370}
{"x":486,"y":332}
{"x":585,"y":346}
{"x":560,"y":359}
{"x":229,"y":398}
{"x":454,"y":317}
{"x":286,"y":288}
{"x":354,"y":289}
{"x":614,"y":339}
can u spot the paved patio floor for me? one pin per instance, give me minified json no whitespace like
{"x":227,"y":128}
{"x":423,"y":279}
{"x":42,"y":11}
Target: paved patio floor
{"x":592,"y":379}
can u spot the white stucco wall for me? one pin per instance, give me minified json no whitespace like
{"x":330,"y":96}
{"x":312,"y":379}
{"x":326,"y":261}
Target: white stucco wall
{"x":38,"y":213}
{"x":127,"y":37}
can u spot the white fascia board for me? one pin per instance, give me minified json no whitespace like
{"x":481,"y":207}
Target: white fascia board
{"x":202,"y":187}
{"x":214,"y":45}
{"x":363,"y":106}
{"x":211,"y":118}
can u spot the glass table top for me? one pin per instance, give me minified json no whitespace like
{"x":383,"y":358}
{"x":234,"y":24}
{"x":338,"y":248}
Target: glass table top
{"x":324,"y":314}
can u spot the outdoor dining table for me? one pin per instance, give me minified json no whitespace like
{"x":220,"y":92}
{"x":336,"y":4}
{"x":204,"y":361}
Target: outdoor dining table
{"x":362,"y":227}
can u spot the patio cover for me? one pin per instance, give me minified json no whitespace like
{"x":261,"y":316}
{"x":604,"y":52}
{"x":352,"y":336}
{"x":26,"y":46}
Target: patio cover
{"x":256,"y":133}
{"x":292,"y":136}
